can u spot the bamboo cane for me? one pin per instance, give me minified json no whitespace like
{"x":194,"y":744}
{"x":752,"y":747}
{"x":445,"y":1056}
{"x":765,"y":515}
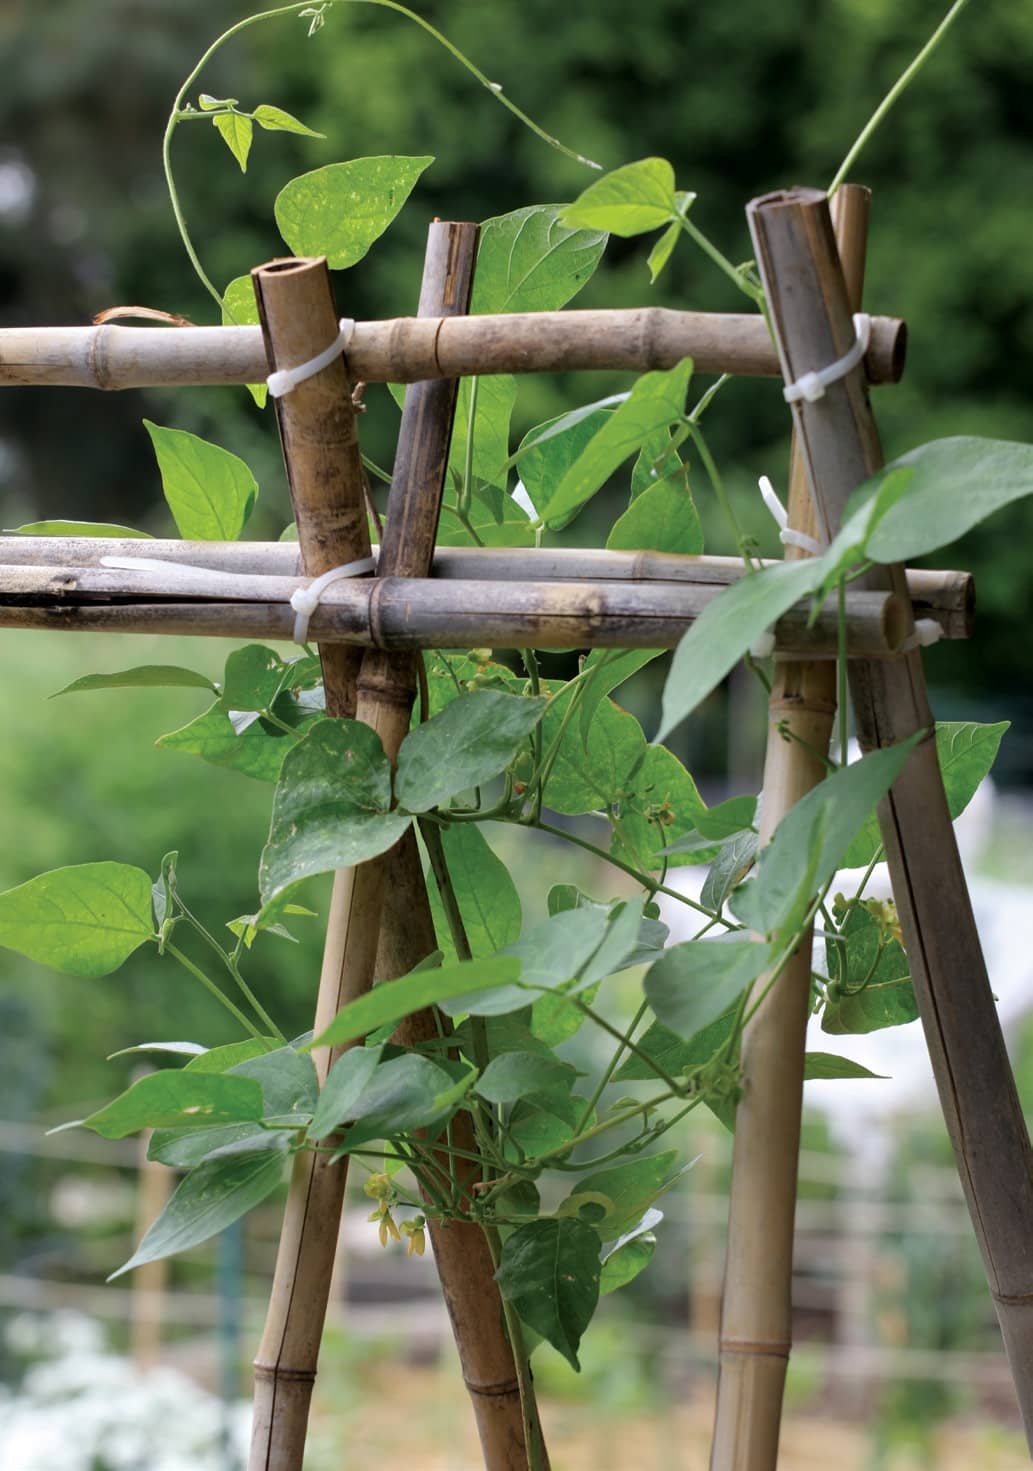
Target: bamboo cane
{"x":399,"y":614}
{"x":411,"y":350}
{"x":756,"y":1311}
{"x":324,"y":469}
{"x":839,"y":441}
{"x":947,"y":596}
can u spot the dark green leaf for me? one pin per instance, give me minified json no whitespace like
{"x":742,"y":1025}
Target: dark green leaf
{"x":474,"y":738}
{"x":85,"y":920}
{"x":145,"y":676}
{"x":691,"y":985}
{"x":212,"y":1197}
{"x":630,"y":1255}
{"x":587,"y":776}
{"x":544,"y":1124}
{"x":609,"y":668}
{"x":629,"y":1188}
{"x":331,"y":808}
{"x":173,"y":1099}
{"x":726,"y":629}
{"x":547,"y":452}
{"x":338,"y":211}
{"x":673,"y":1053}
{"x":287,"y":1077}
{"x":253,"y":678}
{"x":730,"y":866}
{"x":345,"y":1083}
{"x":629,"y":201}
{"x":660,"y":802}
{"x":487,"y":897}
{"x":258,"y":751}
{"x":550,"y":1273}
{"x":871,"y":981}
{"x":210,"y":492}
{"x":408,"y":1092}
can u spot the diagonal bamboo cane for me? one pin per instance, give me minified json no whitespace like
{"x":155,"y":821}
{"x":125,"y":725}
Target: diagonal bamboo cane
{"x":756,"y":1313}
{"x":840,"y":444}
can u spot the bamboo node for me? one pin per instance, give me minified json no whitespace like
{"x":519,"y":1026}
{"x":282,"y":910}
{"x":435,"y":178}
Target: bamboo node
{"x":278,"y":1373}
{"x":493,"y":1391}
{"x":753,"y":1348}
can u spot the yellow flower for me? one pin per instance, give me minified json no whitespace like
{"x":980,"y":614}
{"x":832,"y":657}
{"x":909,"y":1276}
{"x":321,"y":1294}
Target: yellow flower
{"x":416,"y":1234}
{"x":379,"y":1187}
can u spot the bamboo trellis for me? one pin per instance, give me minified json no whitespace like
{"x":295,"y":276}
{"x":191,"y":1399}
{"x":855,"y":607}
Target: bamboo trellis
{"x":556,"y":599}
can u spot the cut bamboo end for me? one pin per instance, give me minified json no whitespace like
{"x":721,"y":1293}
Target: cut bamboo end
{"x":416,"y":349}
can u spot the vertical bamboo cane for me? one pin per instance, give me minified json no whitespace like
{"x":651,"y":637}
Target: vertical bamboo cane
{"x":838,"y":439}
{"x":756,"y":1314}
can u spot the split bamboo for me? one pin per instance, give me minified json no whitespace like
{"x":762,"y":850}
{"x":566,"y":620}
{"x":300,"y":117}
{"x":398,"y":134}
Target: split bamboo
{"x":411,"y":350}
{"x":947,"y":596}
{"x":403,"y":614}
{"x":324,"y":470}
{"x":838,"y":439}
{"x":756,"y":1310}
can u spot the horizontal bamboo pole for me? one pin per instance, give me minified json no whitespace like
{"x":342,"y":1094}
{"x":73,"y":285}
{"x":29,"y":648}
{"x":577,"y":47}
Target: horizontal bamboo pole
{"x":398,"y":614}
{"x":413,"y":349}
{"x":947,"y":596}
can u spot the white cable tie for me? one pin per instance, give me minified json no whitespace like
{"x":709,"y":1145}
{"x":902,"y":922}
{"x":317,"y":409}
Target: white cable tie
{"x":786,"y":535}
{"x":306,"y":600}
{"x":771,"y":500}
{"x":763,"y":646}
{"x":284,"y":379}
{"x":812,"y":386}
{"x":927,"y":631}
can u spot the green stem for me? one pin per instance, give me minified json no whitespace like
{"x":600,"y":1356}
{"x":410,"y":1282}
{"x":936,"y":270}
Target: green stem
{"x":905,"y":78}
{"x":211,"y":987}
{"x":841,"y":671}
{"x":230,"y":962}
{"x":465,"y":497}
{"x":880,"y":853}
{"x":734,"y":274}
{"x":718,"y":487}
{"x":625,"y":1041}
{"x":611,"y":1066}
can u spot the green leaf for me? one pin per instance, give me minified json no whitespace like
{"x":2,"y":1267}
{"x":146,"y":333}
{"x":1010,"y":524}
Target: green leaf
{"x":871,"y":981}
{"x":729,"y":868}
{"x":726,"y":629}
{"x":673,"y":1053}
{"x":516,"y":1075}
{"x":546,"y":453}
{"x":630,"y":1188}
{"x":550,"y":1273}
{"x":693,"y":984}
{"x":211,"y":492}
{"x":493,"y":520}
{"x":828,"y":1065}
{"x":392,"y":1000}
{"x":178,"y":1049}
{"x":76,"y":528}
{"x":590,"y":775}
{"x":660,"y":802}
{"x":253,"y":678}
{"x":257,"y":751}
{"x":207,"y":102}
{"x":662,"y":519}
{"x":145,"y":676}
{"x":604,"y":674}
{"x":240,"y":309}
{"x":630,"y":1255}
{"x":529,"y":261}
{"x":474,"y":738}
{"x":957,"y":484}
{"x":662,"y":251}
{"x":496,"y":396}
{"x":547,"y":1122}
{"x":221,"y":1059}
{"x":331,"y":808}
{"x":287,"y":1077}
{"x":727,"y":818}
{"x":212,"y":1197}
{"x":84,"y":921}
{"x":966,"y":752}
{"x":275,"y":120}
{"x":810,"y":841}
{"x":657,"y":400}
{"x":338,"y":211}
{"x":629,"y":201}
{"x":174,"y":1099}
{"x":236,"y":133}
{"x":409,"y":1092}
{"x":345,"y":1083}
{"x":487,"y":897}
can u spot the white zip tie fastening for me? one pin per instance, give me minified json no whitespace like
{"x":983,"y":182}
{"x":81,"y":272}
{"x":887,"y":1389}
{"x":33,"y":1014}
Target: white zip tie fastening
{"x":927,"y":631}
{"x":812,"y":386}
{"x":786,"y":535}
{"x":306,"y":600}
{"x":284,"y":379}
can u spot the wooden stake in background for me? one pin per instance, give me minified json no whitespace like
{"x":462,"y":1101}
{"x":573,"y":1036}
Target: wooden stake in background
{"x":838,"y":439}
{"x":757,"y":1309}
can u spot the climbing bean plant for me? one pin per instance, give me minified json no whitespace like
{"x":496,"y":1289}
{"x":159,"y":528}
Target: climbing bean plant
{"x":494,"y":740}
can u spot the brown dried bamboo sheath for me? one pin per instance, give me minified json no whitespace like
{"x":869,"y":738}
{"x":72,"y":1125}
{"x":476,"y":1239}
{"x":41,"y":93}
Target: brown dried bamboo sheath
{"x":756,"y":1310}
{"x":796,"y":253}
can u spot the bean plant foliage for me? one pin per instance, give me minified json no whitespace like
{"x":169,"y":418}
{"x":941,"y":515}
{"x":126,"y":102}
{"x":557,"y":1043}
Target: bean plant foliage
{"x":572,"y":1167}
